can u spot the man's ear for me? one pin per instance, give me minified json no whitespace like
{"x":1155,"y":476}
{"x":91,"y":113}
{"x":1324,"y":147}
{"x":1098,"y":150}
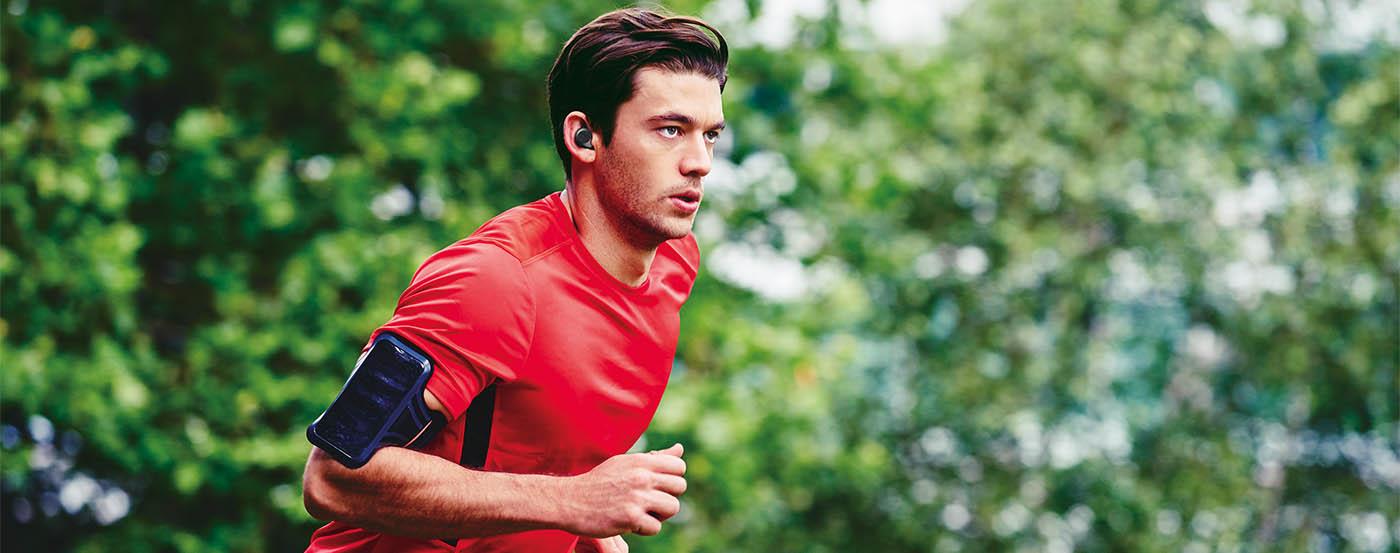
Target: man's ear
{"x":573,"y":123}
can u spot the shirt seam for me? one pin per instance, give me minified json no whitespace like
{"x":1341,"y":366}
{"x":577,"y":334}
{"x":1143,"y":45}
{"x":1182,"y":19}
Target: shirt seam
{"x":546,"y":253}
{"x":534,"y":313}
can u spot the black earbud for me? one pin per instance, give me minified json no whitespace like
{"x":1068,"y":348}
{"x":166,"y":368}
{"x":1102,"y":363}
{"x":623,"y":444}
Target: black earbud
{"x":584,"y":138}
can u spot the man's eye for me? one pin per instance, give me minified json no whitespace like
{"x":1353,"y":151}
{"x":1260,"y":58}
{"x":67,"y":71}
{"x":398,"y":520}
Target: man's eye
{"x":712,"y":136}
{"x":670,"y":132}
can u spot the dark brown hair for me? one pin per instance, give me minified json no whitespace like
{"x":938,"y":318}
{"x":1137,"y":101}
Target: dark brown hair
{"x":595,"y":70}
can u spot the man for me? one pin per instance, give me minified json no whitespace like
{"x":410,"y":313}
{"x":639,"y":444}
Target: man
{"x":523,"y":361}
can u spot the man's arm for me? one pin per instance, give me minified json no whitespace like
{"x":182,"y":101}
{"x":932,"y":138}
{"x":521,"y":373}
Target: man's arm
{"x":408,"y":493}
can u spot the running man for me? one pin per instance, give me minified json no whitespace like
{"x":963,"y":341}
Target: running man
{"x":494,"y":409}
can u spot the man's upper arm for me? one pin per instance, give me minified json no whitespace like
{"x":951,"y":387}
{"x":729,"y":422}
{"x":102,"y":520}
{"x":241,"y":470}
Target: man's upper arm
{"x":433,"y":403}
{"x":469,"y":317}
{"x":471,"y":311}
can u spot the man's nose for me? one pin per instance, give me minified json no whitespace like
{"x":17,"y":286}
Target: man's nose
{"x":697,"y":158}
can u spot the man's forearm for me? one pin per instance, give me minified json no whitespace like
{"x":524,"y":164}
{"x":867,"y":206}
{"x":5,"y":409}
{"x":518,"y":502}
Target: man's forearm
{"x":408,"y":493}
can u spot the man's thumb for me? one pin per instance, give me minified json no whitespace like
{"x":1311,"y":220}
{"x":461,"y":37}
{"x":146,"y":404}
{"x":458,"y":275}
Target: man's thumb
{"x":675,"y":449}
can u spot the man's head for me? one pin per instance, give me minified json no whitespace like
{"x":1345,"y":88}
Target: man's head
{"x":645,"y":88}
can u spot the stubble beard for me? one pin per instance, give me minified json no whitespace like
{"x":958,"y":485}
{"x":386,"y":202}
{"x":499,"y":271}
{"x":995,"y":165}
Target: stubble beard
{"x":644,"y":221}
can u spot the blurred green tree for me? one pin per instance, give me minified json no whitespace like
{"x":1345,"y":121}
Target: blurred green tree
{"x":1092,"y":275}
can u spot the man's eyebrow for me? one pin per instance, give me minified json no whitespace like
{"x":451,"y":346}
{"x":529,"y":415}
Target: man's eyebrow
{"x":682,"y":119}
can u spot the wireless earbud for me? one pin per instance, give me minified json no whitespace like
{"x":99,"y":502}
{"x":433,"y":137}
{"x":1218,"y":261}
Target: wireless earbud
{"x":584,"y":138}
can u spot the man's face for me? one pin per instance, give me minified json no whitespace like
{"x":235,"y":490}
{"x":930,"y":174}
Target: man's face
{"x":650,"y":171}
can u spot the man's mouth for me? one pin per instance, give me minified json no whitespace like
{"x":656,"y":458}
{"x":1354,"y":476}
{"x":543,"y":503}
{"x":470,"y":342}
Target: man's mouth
{"x":688,"y":201}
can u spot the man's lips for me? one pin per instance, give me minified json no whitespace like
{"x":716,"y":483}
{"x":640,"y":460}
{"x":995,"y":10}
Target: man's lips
{"x":688,"y":201}
{"x":689,"y":195}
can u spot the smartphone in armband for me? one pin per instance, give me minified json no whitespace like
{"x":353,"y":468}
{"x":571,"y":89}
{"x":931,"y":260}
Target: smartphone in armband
{"x":380,"y":405}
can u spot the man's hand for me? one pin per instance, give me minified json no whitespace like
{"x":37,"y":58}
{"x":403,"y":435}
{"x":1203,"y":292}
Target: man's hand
{"x":626,"y":493}
{"x":601,"y":545}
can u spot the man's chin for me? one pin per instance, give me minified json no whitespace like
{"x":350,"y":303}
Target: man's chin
{"x":681,"y":228}
{"x":671,"y":230}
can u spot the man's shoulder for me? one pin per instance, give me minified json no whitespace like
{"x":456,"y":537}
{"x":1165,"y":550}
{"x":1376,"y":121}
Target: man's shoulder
{"x":524,"y":231}
{"x":498,"y":249}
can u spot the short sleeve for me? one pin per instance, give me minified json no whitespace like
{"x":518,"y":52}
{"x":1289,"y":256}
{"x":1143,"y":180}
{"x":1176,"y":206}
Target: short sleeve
{"x":471,"y":310}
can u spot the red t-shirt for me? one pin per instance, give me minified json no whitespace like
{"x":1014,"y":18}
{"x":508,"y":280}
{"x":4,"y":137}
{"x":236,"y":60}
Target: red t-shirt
{"x":579,"y":360}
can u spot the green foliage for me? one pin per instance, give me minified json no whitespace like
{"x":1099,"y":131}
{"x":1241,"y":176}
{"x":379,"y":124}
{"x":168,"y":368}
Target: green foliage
{"x":1094,"y":275}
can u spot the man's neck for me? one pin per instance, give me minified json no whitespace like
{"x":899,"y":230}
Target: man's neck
{"x":626,"y":261}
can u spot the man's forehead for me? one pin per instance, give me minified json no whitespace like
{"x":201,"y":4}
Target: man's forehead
{"x":659,"y":91}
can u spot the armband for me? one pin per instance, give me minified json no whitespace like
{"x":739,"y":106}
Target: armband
{"x":380,"y":405}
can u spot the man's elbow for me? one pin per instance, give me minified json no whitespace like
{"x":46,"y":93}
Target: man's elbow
{"x":319,"y":494}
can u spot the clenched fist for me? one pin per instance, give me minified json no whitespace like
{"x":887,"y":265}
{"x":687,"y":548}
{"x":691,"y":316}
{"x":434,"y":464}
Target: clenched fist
{"x":627,"y":493}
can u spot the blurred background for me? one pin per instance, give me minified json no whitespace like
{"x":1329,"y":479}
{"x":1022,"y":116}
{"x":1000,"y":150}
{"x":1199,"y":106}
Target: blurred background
{"x":1101,"y":275}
